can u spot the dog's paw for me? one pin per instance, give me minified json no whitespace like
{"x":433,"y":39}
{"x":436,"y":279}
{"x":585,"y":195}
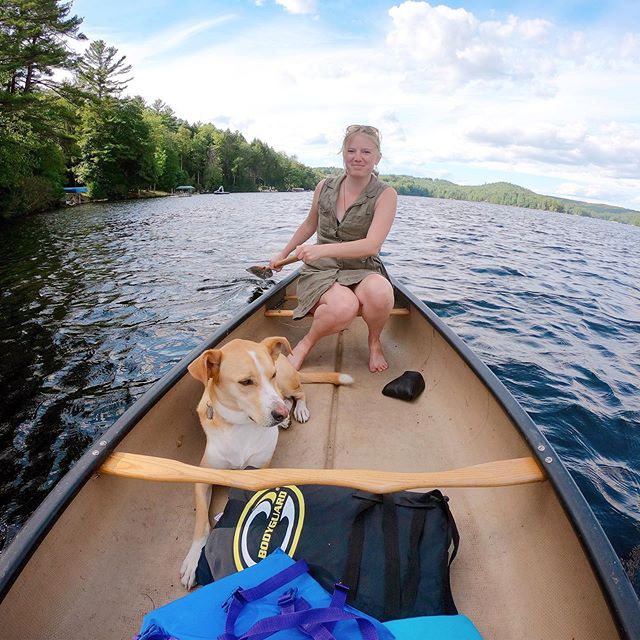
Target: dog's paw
{"x":301,"y":412}
{"x":190,"y":564}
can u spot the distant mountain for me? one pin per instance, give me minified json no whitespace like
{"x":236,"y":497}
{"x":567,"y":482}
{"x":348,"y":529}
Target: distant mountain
{"x":501,"y":193}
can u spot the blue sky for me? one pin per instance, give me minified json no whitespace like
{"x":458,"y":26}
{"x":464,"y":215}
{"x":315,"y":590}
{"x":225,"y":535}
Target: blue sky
{"x":545,"y":95}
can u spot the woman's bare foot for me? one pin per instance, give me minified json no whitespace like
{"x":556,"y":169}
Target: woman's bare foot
{"x":377,"y":361}
{"x":299,"y":353}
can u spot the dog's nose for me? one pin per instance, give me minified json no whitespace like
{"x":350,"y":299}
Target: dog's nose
{"x":280,"y":412}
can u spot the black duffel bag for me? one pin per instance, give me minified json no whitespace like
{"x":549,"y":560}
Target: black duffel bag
{"x":391,"y":550}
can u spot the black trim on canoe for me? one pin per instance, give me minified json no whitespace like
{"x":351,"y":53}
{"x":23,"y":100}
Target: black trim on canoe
{"x":617,"y":588}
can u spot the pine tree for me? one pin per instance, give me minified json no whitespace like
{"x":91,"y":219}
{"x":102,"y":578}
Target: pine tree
{"x":33,"y":35}
{"x":100,"y":72}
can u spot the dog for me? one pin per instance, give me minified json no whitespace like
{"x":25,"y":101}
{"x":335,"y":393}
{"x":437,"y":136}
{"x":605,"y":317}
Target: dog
{"x":249,"y":391}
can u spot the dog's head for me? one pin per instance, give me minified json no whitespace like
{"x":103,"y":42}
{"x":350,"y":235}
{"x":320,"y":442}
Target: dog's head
{"x":241,"y":376}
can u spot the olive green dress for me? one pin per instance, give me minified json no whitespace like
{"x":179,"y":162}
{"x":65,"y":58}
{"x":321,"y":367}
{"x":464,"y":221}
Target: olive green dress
{"x":317,"y":277}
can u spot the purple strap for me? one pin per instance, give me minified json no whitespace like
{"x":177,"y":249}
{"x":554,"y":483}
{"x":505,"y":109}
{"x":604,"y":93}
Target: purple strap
{"x":240,"y":597}
{"x":295,"y":611}
{"x":307,"y":619}
{"x":290,"y":602}
{"x":275,"y":582}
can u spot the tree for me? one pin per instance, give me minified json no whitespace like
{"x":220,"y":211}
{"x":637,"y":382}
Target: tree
{"x":100,"y":72}
{"x":206,"y":158}
{"x":117,"y":152}
{"x":166,"y":114}
{"x":34,"y":123}
{"x":33,"y":41}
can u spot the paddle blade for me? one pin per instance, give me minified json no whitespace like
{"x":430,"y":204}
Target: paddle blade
{"x":260,"y":272}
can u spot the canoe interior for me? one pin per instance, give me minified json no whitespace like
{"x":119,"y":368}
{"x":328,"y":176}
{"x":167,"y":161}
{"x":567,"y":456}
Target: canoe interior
{"x":520,"y":573}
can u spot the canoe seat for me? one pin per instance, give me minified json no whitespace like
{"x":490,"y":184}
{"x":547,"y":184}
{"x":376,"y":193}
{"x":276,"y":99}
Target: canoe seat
{"x":434,"y":628}
{"x":288,"y":313}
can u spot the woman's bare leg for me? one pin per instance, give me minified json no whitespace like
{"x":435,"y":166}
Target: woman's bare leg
{"x":335,"y":310}
{"x":375,"y":294}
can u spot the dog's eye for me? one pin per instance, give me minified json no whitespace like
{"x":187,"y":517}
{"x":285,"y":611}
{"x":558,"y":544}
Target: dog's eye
{"x":274,"y":375}
{"x":246,"y":382}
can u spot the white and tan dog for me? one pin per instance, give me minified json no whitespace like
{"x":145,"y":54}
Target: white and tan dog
{"x":249,"y":389}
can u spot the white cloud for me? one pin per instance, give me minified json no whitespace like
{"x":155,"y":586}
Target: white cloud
{"x":171,"y":39}
{"x":613,"y":147}
{"x":604,"y":191}
{"x":451,"y":46}
{"x":298,"y":6}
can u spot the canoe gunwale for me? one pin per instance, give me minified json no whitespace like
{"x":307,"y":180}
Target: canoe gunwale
{"x":615,"y":583}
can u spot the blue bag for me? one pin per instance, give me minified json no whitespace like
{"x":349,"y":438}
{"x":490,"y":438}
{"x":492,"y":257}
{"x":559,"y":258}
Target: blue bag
{"x":274,"y":598}
{"x":456,"y":627}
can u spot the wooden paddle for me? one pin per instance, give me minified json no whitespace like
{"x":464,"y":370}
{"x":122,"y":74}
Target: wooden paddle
{"x":490,"y":474}
{"x":267,"y":272}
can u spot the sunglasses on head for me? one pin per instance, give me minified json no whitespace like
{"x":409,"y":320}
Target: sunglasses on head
{"x":363,"y":128}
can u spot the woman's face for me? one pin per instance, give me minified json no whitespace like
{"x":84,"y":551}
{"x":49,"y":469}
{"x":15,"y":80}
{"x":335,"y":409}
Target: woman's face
{"x":360,"y":155}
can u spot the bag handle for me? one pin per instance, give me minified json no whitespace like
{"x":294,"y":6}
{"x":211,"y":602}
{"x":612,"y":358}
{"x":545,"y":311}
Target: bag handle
{"x":351,"y":573}
{"x":310,"y":621}
{"x":392,"y":592}
{"x":412,"y":574}
{"x":449,"y":604}
{"x":307,"y":620}
{"x":240,"y":597}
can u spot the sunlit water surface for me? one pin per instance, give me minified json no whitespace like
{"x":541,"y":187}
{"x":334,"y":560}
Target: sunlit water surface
{"x":98,"y":302}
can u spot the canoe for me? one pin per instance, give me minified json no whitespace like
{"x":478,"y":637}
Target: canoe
{"x":101,"y":550}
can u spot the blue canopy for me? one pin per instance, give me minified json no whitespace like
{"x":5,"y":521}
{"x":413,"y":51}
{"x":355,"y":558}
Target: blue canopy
{"x":76,"y":189}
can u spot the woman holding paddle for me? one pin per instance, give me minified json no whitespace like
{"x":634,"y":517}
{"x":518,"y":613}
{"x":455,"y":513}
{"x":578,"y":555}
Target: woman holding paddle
{"x":342,"y":275}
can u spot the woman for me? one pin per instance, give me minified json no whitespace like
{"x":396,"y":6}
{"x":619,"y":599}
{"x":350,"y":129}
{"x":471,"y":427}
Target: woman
{"x":352,"y":215}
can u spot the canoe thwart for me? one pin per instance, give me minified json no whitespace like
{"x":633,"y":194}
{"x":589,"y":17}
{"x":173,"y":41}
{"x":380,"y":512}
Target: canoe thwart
{"x":500,"y":473}
{"x":288,"y":313}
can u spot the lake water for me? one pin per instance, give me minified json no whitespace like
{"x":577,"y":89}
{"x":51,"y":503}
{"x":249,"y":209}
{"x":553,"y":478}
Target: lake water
{"x":98,"y":302}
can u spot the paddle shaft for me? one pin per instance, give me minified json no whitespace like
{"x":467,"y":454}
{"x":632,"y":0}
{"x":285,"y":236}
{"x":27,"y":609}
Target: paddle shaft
{"x":288,"y":260}
{"x":490,"y":474}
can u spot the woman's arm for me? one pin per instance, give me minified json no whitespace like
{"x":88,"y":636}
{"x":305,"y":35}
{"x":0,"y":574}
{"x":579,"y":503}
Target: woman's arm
{"x":308,"y":227}
{"x":384,"y":214}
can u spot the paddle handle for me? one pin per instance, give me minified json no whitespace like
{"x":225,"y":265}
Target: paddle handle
{"x":288,"y":260}
{"x":490,"y":474}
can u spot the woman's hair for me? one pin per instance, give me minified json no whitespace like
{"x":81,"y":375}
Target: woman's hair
{"x":371,"y":132}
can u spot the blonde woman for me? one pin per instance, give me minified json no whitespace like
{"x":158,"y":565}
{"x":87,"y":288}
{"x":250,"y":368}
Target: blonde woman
{"x":343,"y":274}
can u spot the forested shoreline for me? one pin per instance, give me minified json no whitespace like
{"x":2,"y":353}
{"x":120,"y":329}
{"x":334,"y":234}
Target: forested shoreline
{"x":64,"y":122}
{"x":509,"y":194}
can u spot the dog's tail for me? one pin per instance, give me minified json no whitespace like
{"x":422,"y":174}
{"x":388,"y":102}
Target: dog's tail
{"x":329,"y":377}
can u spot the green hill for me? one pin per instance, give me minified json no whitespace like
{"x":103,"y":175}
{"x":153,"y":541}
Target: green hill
{"x":502,"y":193}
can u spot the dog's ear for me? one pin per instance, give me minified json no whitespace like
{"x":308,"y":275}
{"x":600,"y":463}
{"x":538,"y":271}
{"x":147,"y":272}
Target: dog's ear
{"x":206,"y":366}
{"x":277,"y":345}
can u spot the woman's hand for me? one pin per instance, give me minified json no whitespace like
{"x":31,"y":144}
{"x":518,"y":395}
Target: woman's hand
{"x":309,"y":252}
{"x":281,"y":255}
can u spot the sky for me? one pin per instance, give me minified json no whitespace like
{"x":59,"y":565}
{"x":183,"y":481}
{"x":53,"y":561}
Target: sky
{"x":545,"y":95}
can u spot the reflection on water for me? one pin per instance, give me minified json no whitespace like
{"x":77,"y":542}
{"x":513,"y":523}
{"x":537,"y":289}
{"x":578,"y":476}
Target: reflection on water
{"x":98,"y":302}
